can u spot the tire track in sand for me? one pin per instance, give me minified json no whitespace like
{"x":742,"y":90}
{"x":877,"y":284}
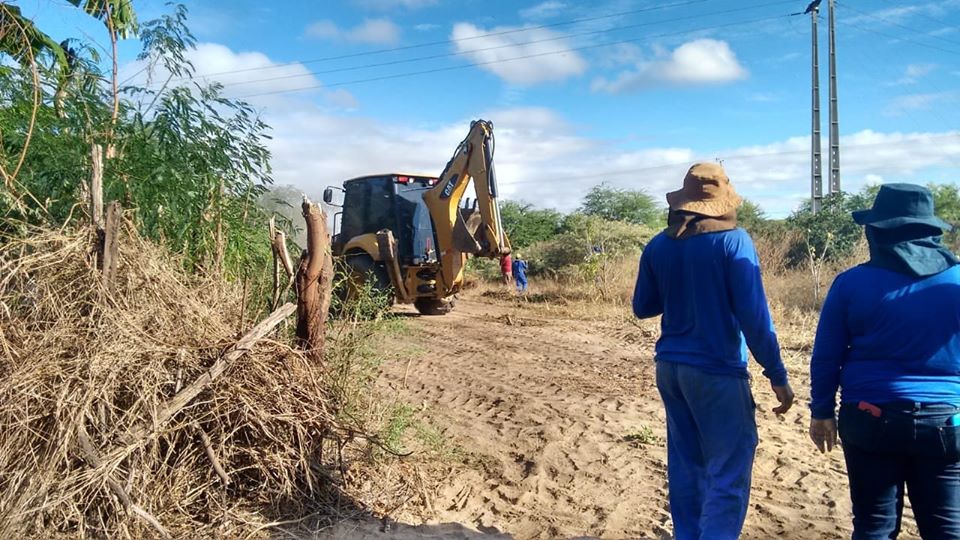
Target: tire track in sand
{"x":549,"y":400}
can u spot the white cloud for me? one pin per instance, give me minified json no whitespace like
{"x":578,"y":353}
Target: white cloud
{"x":514,"y":57}
{"x":252,"y":76}
{"x":541,"y":157}
{"x":906,"y":104}
{"x":369,"y":31}
{"x":913,"y":72}
{"x":545,"y":160}
{"x":919,"y":70}
{"x":765,"y":97}
{"x":385,"y":5}
{"x":342,"y":99}
{"x":695,"y":63}
{"x":872,"y":179}
{"x":896,"y":15}
{"x":544,"y":10}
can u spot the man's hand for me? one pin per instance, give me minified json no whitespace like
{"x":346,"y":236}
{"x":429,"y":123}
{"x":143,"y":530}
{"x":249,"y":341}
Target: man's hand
{"x":823,"y":433}
{"x":784,"y":396}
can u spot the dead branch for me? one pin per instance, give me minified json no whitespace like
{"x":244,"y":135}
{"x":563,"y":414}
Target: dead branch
{"x":275,"y":299}
{"x":208,"y":447}
{"x":280,"y":244}
{"x":92,"y":457}
{"x":281,"y":259}
{"x":314,"y":282}
{"x":191,"y":391}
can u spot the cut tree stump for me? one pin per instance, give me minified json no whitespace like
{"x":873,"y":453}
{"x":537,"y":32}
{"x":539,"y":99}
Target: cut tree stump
{"x":314,"y":283}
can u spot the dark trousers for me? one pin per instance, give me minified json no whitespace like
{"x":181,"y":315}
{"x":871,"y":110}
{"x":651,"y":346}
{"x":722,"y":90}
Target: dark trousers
{"x":912,"y":446}
{"x":711,"y":440}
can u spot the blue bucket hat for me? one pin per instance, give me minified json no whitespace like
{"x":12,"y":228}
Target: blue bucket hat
{"x":901,"y":204}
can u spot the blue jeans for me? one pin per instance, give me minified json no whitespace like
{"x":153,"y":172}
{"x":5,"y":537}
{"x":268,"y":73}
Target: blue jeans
{"x":711,"y":440}
{"x":521,"y":283}
{"x":909,"y":444}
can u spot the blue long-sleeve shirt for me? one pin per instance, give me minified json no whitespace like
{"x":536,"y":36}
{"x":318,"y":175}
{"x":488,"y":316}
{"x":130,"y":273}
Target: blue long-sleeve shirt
{"x":520,"y":270}
{"x":885,"y":336}
{"x":709,"y":291}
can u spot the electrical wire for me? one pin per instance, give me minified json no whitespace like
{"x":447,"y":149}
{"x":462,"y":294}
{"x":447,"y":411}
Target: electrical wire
{"x":891,"y":36}
{"x":505,"y":46}
{"x":448,"y":41}
{"x":921,"y":14}
{"x":503,"y":60}
{"x":895,"y":23}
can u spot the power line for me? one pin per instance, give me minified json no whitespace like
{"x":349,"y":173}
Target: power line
{"x":503,"y":60}
{"x":730,"y":158}
{"x":895,"y":23}
{"x":899,"y":38}
{"x":505,"y":46}
{"x":448,"y":41}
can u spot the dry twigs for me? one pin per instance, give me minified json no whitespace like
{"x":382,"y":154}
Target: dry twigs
{"x":103,"y":393}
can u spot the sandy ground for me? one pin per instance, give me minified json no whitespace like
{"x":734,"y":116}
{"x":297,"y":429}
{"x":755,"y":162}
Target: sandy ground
{"x":567,"y":415}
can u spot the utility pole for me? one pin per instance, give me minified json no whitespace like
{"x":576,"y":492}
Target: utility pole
{"x":834,"y":115}
{"x":816,"y":176}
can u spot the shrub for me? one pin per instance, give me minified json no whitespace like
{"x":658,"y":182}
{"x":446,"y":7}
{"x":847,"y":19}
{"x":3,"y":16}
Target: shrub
{"x":587,"y":241}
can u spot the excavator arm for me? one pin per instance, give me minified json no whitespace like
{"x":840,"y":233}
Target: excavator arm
{"x":460,"y":231}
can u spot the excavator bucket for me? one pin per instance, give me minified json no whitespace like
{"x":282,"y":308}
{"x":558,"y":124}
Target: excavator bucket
{"x":465,"y":232}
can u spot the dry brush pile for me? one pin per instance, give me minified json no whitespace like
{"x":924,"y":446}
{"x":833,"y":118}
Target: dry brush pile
{"x":91,"y":440}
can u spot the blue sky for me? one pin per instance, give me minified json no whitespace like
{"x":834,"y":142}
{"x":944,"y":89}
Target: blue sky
{"x":630,"y":92}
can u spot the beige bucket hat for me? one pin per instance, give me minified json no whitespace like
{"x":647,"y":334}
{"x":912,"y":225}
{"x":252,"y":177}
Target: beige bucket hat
{"x":706,"y":190}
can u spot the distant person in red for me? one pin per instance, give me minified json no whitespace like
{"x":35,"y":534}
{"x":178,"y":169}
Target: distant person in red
{"x":506,"y":268}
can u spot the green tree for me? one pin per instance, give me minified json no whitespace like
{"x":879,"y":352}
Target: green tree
{"x":751,"y":217}
{"x":526,"y":225}
{"x":946,"y":200}
{"x":190,"y":165}
{"x":618,"y":204}
{"x":831,"y":233}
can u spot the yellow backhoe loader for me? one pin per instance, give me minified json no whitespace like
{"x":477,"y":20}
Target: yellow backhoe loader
{"x":413,"y":234}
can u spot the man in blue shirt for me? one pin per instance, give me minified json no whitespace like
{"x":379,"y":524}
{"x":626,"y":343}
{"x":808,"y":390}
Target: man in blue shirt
{"x":520,"y":273}
{"x":703,"y":276}
{"x":889,"y":340}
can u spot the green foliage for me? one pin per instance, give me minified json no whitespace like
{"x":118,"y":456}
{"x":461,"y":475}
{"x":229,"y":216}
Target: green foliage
{"x":751,"y":217}
{"x":946,"y":201}
{"x":526,"y":225}
{"x":22,"y":40}
{"x":118,"y":15}
{"x":617,"y":204}
{"x":283,"y":202}
{"x":190,"y":164}
{"x":585,"y":243}
{"x":640,"y":437}
{"x":830,"y":234}
{"x":400,"y":420}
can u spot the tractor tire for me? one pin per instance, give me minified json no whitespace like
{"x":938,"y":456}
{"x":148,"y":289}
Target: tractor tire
{"x":433,"y":306}
{"x":356,"y":269}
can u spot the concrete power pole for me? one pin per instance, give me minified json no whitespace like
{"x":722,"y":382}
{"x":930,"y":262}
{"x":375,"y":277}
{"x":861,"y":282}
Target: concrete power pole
{"x":816,"y":176}
{"x":834,"y":115}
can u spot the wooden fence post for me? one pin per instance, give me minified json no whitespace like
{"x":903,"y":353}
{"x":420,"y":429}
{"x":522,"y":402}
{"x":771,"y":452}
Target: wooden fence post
{"x":314,"y":282}
{"x":111,"y":246}
{"x":96,"y":186}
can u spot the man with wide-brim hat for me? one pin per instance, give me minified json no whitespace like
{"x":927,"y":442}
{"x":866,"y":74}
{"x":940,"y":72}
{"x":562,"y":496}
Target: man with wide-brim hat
{"x":889,"y":341}
{"x":703,"y":276}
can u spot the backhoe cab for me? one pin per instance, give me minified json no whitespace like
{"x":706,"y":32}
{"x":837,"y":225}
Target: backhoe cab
{"x":413,"y":234}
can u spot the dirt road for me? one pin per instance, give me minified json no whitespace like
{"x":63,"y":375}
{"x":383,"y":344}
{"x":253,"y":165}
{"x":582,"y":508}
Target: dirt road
{"x":567,"y":415}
